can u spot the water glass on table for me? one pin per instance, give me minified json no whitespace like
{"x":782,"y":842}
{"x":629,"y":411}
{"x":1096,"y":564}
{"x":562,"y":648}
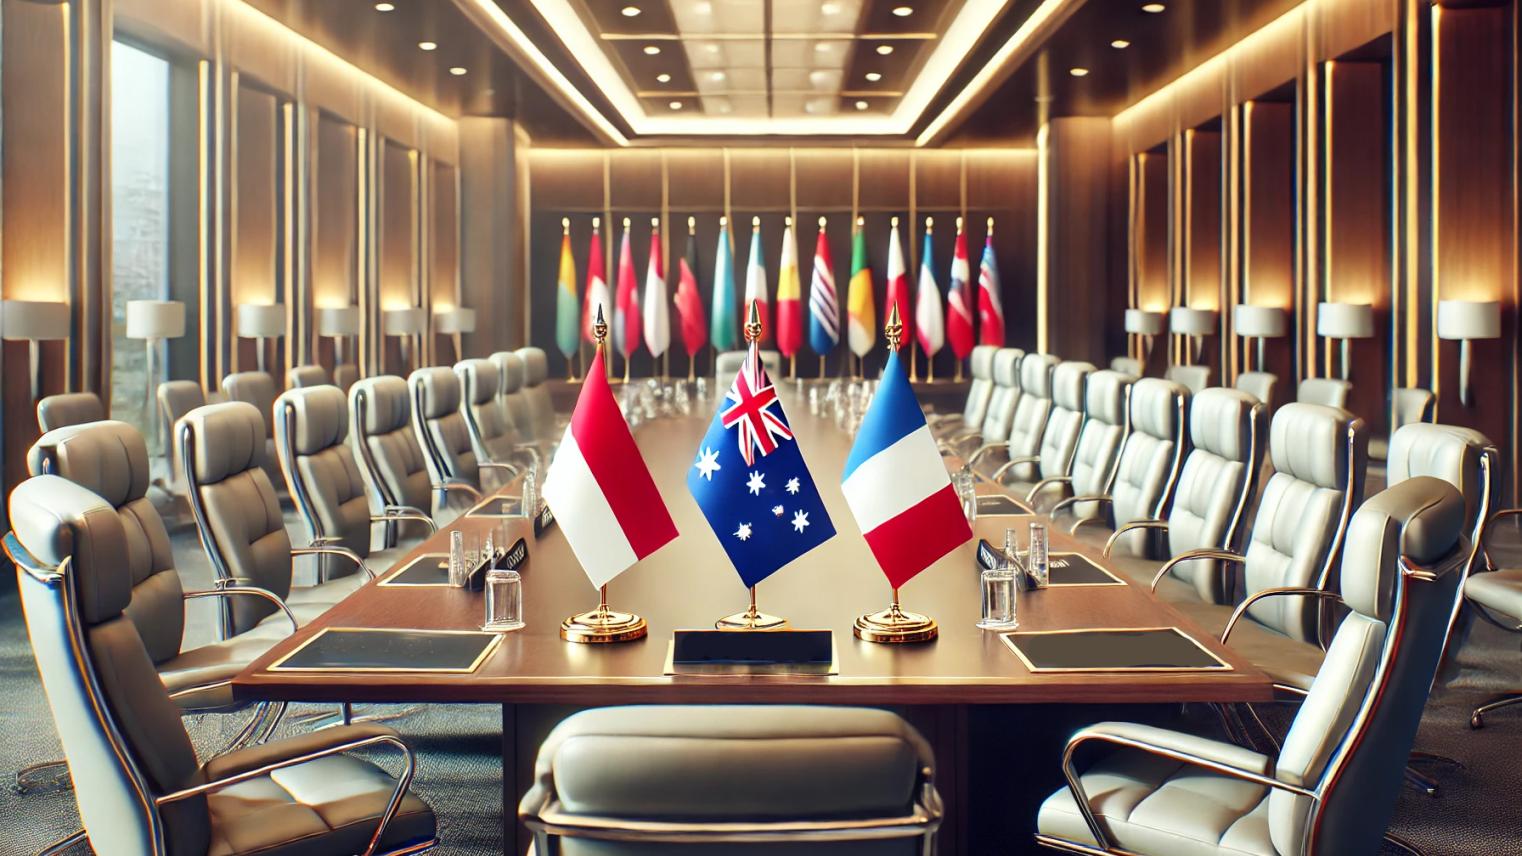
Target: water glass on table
{"x":998,"y":590}
{"x":965,"y":485}
{"x":1037,"y":562}
{"x":504,"y":601}
{"x":459,"y":562}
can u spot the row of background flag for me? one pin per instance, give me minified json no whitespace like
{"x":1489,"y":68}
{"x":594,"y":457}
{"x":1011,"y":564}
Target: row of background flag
{"x":949,"y":308}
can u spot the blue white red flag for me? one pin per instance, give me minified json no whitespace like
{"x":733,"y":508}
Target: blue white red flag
{"x":751,"y":482}
{"x":896,"y":483}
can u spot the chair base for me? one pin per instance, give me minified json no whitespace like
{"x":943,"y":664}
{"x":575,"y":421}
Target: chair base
{"x":1477,"y":719}
{"x":63,"y":844}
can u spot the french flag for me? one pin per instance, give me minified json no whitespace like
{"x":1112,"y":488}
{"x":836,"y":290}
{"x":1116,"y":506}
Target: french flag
{"x":896,"y":484}
{"x":603,"y":497}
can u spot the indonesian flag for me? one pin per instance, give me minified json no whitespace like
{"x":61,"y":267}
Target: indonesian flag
{"x":755,"y":281}
{"x":898,"y":285}
{"x":990,"y":310}
{"x":896,"y":484}
{"x":626,"y":317}
{"x":789,"y":294}
{"x":597,"y":296}
{"x":959,"y":300}
{"x":657,"y":316}
{"x":602,"y":495}
{"x":928,"y":318}
{"x":689,"y":303}
{"x":861,"y":315}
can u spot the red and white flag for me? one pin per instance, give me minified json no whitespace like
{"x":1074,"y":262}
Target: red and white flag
{"x":959,"y":302}
{"x":898,"y":285}
{"x":603,"y":497}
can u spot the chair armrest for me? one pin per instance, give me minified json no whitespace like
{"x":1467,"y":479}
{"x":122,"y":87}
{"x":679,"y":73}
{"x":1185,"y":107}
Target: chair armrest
{"x":1087,"y":497}
{"x":1131,"y":525}
{"x":1030,"y":496}
{"x":343,"y":552}
{"x":313,"y":745}
{"x":404,"y":509}
{"x":1014,"y":462}
{"x":399,"y":515}
{"x":245,"y":591}
{"x":985,"y":449}
{"x":510,"y":469}
{"x":1253,"y":598}
{"x":1485,"y":532}
{"x":1195,"y":556}
{"x":454,"y":484}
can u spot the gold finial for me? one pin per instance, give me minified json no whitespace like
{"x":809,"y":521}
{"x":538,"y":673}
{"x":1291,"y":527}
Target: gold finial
{"x":626,"y":224}
{"x":723,"y":221}
{"x":788,"y":222}
{"x":565,"y":225}
{"x":929,"y":224}
{"x":755,"y":223}
{"x":894,"y":329}
{"x":692,"y":225}
{"x":990,"y":225}
{"x":959,"y":225}
{"x":655,"y":222}
{"x":821,"y":223}
{"x":599,"y":327}
{"x":753,"y":324}
{"x":596,"y":223}
{"x":860,"y":222}
{"x":895,"y":222}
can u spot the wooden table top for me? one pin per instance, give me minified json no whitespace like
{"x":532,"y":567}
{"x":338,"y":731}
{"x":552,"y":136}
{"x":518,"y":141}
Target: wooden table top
{"x":689,"y":583}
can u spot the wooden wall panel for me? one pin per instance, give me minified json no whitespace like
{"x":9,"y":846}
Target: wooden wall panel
{"x":1202,"y":280}
{"x":256,"y":199}
{"x":397,"y":286}
{"x":335,"y":217}
{"x":821,"y":174}
{"x":1151,"y":236}
{"x":1268,"y":225}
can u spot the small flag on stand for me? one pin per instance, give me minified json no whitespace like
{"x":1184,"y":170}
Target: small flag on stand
{"x":755,"y":281}
{"x":898,"y":284}
{"x":959,"y":329}
{"x":824,"y":309}
{"x":566,"y":321}
{"x":860,"y":306}
{"x":789,"y":305}
{"x":928,"y":318}
{"x":657,"y":316}
{"x":597,"y":296}
{"x":626,"y":316}
{"x":990,"y":308}
{"x":689,"y":303}
{"x":722,"y":328}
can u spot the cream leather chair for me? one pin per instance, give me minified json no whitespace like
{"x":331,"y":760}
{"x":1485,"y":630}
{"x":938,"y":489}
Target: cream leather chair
{"x":69,"y":408}
{"x":979,"y":390}
{"x":637,"y":781}
{"x":1194,"y":378}
{"x":1260,"y":384}
{"x":1325,"y":391}
{"x":1002,"y":401}
{"x":138,"y":783}
{"x":1059,"y":441}
{"x":492,"y":434}
{"x":311,"y":435}
{"x":512,"y":400}
{"x":391,"y":461}
{"x":240,"y":523}
{"x":444,"y":437}
{"x":1210,"y":502}
{"x":306,"y":375}
{"x":1408,"y":405}
{"x":1106,"y":422}
{"x":177,"y":398}
{"x":541,"y":408}
{"x":1129,"y":366}
{"x":1149,"y":465}
{"x":345,"y":375}
{"x":1332,"y":788}
{"x":1032,"y":412}
{"x":258,"y":389}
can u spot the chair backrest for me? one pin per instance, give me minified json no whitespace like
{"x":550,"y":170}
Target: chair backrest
{"x":1463,"y":457}
{"x":1129,"y":366}
{"x":69,"y":408}
{"x":981,"y":388}
{"x":1107,"y":419}
{"x":1410,"y":404}
{"x":1006,"y":395}
{"x":1194,"y":378}
{"x":1210,"y":501}
{"x":345,"y":375}
{"x":1259,"y":384}
{"x":512,"y":399}
{"x":541,"y":408}
{"x":391,"y":461}
{"x":1151,"y":457}
{"x":441,"y":430}
{"x":311,"y":438}
{"x":110,"y":459}
{"x":1350,"y":739}
{"x":1032,"y":412}
{"x":256,"y":388}
{"x":177,"y":398}
{"x":114,"y":718}
{"x":1319,"y":455}
{"x":491,"y":434}
{"x":233,"y":501}
{"x":306,"y":375}
{"x":1060,"y":440}
{"x":1324,"y":390}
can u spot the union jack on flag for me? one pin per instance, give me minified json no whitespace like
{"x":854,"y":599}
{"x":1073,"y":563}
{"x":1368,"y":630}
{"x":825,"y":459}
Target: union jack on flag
{"x":751,"y":482}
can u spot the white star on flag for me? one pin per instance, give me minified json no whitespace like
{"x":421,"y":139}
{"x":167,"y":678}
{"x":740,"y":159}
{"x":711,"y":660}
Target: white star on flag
{"x":756,"y":483}
{"x":800,"y":520}
{"x":778,"y":510}
{"x":708,"y":463}
{"x":792,"y":485}
{"x":743,"y":533}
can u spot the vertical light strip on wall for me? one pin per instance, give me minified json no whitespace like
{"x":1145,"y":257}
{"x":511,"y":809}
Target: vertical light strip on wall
{"x":1437,"y":200}
{"x":1309,"y":142}
{"x":1328,"y":256}
{"x":203,"y":220}
{"x":71,"y":122}
{"x":1133,"y":233}
{"x":1412,"y":81}
{"x":1043,"y":236}
{"x":1231,"y":284}
{"x":228,"y":126}
{"x":292,"y":291}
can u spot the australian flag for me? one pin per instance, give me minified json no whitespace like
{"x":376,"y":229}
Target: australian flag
{"x":750,"y":480}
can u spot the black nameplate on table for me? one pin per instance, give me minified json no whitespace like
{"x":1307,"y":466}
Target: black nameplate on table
{"x":498,"y":506}
{"x":752,"y":652}
{"x":432,"y":569}
{"x":367,"y":649}
{"x":998,"y":505}
{"x":545,"y":520}
{"x":1112,"y":649}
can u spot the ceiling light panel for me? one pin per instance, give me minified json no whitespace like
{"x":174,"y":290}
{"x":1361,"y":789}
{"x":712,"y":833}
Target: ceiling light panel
{"x":730,"y":56}
{"x":703,"y":17}
{"x":807,"y":17}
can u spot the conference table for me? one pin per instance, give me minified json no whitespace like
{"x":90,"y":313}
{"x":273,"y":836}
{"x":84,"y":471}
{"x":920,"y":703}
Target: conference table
{"x":997,"y":726}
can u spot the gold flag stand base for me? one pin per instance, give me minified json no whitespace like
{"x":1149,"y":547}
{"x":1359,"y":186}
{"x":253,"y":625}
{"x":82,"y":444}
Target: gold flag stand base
{"x":751,"y":619}
{"x":603,"y":625}
{"x":893,"y":625}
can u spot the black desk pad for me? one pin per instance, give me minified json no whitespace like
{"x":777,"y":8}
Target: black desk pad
{"x":364,"y":649}
{"x":752,"y":652}
{"x":498,"y":506}
{"x":990,"y":505}
{"x":429,"y":569}
{"x":1075,"y":569}
{"x":1129,"y":649}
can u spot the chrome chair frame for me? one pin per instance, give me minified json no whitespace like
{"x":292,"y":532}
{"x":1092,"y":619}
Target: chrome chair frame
{"x":1181,"y":405}
{"x":1067,"y":478}
{"x":389,"y":504}
{"x":450,"y":482}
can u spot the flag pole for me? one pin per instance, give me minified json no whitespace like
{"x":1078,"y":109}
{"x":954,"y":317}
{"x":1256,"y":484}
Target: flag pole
{"x":894,"y":625}
{"x":752,"y":618}
{"x":602,"y":625}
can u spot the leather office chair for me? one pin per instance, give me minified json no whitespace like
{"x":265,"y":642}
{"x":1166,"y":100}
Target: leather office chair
{"x":306,"y":375}
{"x":444,"y":437}
{"x":345,"y":375}
{"x":1326,"y":391}
{"x":1149,"y":465}
{"x":311,"y":435}
{"x":1408,"y":405}
{"x":258,"y":388}
{"x":1059,"y":440}
{"x":1106,"y":422}
{"x":1129,"y":366}
{"x":1259,"y":384}
{"x":620,"y":781}
{"x":979,"y":390}
{"x":1332,"y":788}
{"x":541,"y":408}
{"x":391,"y":461}
{"x":177,"y":398}
{"x":1029,"y":422}
{"x":240,"y":523}
{"x":69,"y":408}
{"x":1194,"y":378}
{"x":1210,"y":501}
{"x":1000,"y":412}
{"x":492,"y":434}
{"x":138,"y":783}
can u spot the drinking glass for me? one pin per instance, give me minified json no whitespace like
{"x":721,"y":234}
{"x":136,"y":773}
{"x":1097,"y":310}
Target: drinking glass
{"x":966,"y":489}
{"x":1037,"y":563}
{"x":998,"y":591}
{"x":504,"y":601}
{"x":459,"y":569}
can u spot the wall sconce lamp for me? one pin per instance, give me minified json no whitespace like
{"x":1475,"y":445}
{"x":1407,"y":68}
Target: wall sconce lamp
{"x":1194,"y":323}
{"x":406,"y":324}
{"x":261,"y":321}
{"x":153,"y":321}
{"x":338,"y":323}
{"x":1467,"y":320}
{"x":1146,"y":324}
{"x":34,"y":322}
{"x":454,"y":322}
{"x":1345,"y":321}
{"x":1260,"y":323}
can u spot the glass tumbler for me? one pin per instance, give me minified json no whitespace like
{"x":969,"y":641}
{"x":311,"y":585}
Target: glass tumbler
{"x":1037,"y":563}
{"x":504,"y":601}
{"x":966,"y":489}
{"x":459,"y":566}
{"x":998,"y":592}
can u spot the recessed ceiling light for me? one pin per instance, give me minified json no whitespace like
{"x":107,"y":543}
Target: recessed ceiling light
{"x":427,"y":46}
{"x":630,"y":11}
{"x":822,"y":47}
{"x":711,"y":47}
{"x":663,"y":78}
{"x":861,"y":105}
{"x":676,"y":105}
{"x":1078,"y":72}
{"x":716,"y":77}
{"x":1153,"y":8}
{"x":652,"y":50}
{"x":385,"y":7}
{"x":874,"y":76}
{"x":457,"y":70}
{"x":884,"y":50}
{"x":703,"y":8}
{"x":903,"y":11}
{"x":1120,"y":44}
{"x":829,"y":8}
